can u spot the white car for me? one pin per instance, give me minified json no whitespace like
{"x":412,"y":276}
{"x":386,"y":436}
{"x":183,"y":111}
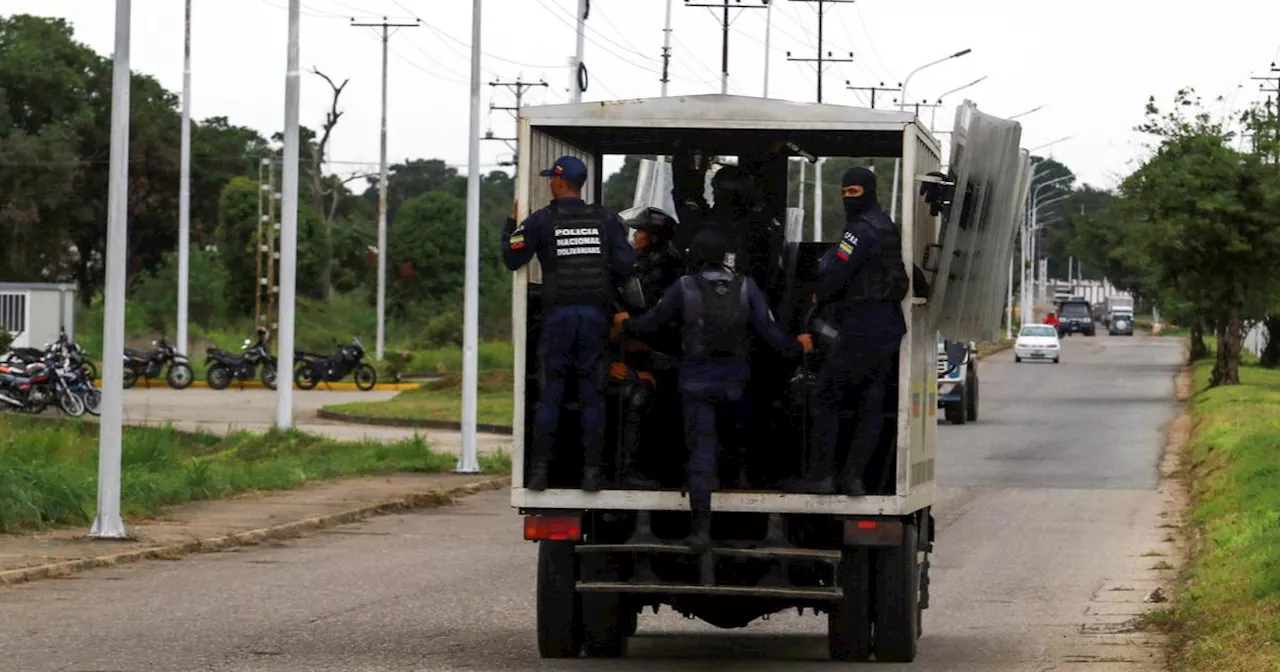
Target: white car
{"x":1038,"y":342}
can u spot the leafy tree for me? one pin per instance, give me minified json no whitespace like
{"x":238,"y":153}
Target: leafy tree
{"x":156,"y":293}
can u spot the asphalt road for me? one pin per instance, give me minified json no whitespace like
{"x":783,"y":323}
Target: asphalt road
{"x":1047,"y":519}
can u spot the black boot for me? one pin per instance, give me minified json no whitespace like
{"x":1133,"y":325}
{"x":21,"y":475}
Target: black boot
{"x":632,"y":479}
{"x":700,"y":532}
{"x":592,"y":479}
{"x":742,"y":481}
{"x":852,"y":487}
{"x":538,"y":475}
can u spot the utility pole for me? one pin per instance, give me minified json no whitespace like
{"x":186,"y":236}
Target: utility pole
{"x":184,"y":189}
{"x":768,"y":31}
{"x":289,"y":221}
{"x":1271,"y":117}
{"x":873,"y":90}
{"x":725,"y":22}
{"x":578,"y":69}
{"x":518,"y":88}
{"x":467,"y":459}
{"x":822,"y":59}
{"x":666,"y":53}
{"x":386,"y":27}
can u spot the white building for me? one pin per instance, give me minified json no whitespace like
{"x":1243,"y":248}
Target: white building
{"x":34,"y":312}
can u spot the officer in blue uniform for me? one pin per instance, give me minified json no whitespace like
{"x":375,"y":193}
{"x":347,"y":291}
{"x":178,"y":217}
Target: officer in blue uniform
{"x":717,"y":310}
{"x":584,"y":254}
{"x":648,"y":367}
{"x":862,"y":282}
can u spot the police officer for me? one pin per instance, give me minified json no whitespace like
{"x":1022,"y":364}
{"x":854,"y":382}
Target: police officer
{"x":584,"y":253}
{"x":862,"y":282}
{"x":645,"y":367}
{"x":717,"y":310}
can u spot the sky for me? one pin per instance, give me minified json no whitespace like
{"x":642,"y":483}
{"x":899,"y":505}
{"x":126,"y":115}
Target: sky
{"x":1089,"y":65}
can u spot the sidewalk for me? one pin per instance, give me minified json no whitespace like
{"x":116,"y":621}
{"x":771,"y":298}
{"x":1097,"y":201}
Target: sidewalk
{"x":218,"y":524}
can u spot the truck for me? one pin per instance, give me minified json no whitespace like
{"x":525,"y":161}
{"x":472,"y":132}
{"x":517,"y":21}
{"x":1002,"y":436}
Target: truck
{"x":1113,"y":303}
{"x":958,"y":383}
{"x":862,"y":563}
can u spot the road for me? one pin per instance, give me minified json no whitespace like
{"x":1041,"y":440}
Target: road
{"x":1047,"y":517}
{"x":254,"y":409}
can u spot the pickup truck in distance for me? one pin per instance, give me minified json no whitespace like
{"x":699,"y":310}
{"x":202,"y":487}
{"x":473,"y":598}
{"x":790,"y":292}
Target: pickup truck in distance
{"x":862,"y":562}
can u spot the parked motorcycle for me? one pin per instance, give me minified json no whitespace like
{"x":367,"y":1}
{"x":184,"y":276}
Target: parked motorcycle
{"x":313,"y":368}
{"x":60,"y":368}
{"x":33,"y":387}
{"x":151,"y":364}
{"x":225,"y":366}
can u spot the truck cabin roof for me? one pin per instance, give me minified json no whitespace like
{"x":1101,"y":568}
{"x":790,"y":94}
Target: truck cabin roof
{"x":725,"y":125}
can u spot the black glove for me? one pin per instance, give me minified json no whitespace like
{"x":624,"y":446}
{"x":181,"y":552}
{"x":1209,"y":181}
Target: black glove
{"x":508,"y":226}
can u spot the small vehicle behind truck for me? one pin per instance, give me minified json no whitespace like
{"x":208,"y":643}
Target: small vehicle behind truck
{"x":860,"y":562}
{"x":958,"y":383}
{"x":1120,"y":321}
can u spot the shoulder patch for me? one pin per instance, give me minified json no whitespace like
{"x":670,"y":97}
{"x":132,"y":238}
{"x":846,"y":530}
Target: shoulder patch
{"x":517,"y":240}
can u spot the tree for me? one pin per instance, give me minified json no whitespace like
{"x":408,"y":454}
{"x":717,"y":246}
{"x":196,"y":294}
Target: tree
{"x":1209,"y":218}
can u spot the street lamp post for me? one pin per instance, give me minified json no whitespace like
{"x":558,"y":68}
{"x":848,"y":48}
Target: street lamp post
{"x":933,"y":116}
{"x":902,"y":101}
{"x":1023,"y":114}
{"x":1028,"y":249}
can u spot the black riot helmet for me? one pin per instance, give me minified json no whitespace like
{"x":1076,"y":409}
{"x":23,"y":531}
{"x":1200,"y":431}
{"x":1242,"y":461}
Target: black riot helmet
{"x":732,"y":187}
{"x":654,"y":221}
{"x":708,"y":249}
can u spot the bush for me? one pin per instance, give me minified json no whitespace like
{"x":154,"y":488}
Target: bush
{"x":6,"y":339}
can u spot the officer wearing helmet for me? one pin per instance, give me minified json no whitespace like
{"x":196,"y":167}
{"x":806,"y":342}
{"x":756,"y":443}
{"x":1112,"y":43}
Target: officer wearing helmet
{"x":862,"y":283}
{"x":718,"y":311}
{"x":647,"y":368}
{"x":583,"y":252}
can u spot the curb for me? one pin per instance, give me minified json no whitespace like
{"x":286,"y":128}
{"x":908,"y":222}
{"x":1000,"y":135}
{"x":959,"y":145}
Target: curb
{"x":404,"y":422}
{"x":257,"y":385}
{"x":997,"y":349}
{"x":251,"y":537}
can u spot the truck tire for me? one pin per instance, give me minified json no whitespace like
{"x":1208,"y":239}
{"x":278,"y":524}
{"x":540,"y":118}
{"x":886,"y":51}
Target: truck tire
{"x":849,"y":621}
{"x":604,"y":615}
{"x":955,"y":410}
{"x":971,"y":397}
{"x":897,"y":621}
{"x":559,"y":608}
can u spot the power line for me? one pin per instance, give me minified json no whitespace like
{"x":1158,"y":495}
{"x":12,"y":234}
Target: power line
{"x":724,"y":26}
{"x":518,"y":88}
{"x":820,"y":58}
{"x":873,"y":90}
{"x":606,"y":49}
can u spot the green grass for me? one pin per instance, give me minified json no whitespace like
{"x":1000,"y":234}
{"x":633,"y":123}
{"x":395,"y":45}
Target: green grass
{"x":442,"y":400}
{"x":48,"y":468}
{"x":1229,"y":615}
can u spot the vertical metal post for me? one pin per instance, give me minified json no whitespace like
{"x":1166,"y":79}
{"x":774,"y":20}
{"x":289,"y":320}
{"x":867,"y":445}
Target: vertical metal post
{"x":817,"y":200}
{"x":289,"y":226}
{"x":467,"y":459}
{"x":724,"y":52}
{"x":578,"y":51}
{"x":107,"y":524}
{"x":184,"y":190}
{"x":666,"y":55}
{"x":1008,"y":304}
{"x":382,"y":210}
{"x":258,"y":249}
{"x":768,"y":30}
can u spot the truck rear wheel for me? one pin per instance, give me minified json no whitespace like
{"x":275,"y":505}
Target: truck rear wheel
{"x":559,"y":607}
{"x":849,"y":621}
{"x":956,"y":410}
{"x":897,"y":622}
{"x":971,"y":397}
{"x":604,"y":615}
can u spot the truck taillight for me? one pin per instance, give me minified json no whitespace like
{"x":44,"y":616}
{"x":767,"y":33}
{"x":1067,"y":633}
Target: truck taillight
{"x":553,"y":528}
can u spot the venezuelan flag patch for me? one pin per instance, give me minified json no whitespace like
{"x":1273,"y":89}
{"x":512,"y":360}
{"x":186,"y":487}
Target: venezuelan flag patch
{"x":844,"y":251}
{"x":517,"y":241}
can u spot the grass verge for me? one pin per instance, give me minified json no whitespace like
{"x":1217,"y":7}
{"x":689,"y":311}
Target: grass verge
{"x":1229,"y":616}
{"x":48,"y":468}
{"x":442,"y":400}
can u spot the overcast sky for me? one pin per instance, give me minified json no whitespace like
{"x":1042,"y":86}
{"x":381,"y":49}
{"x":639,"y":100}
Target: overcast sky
{"x":1090,"y":63}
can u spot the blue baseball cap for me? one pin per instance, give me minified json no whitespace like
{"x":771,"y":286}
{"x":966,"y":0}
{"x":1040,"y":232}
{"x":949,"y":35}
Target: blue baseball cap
{"x":569,"y":168}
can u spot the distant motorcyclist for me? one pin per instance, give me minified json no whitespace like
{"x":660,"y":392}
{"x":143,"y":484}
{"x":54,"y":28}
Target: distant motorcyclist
{"x":717,"y":310}
{"x":862,"y":282}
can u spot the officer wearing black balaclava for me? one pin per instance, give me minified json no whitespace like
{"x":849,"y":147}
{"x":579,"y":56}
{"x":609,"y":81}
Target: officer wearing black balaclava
{"x":752,"y":236}
{"x":862,"y":283}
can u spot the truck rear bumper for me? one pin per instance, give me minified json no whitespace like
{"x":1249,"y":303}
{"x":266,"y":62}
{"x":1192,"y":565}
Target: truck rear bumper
{"x":742,"y":502}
